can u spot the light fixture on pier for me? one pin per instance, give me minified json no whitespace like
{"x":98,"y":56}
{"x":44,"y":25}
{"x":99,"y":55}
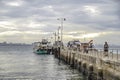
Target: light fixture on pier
{"x":61,"y":20}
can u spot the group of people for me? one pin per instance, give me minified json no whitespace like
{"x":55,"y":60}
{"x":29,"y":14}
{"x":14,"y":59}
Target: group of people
{"x":75,"y":45}
{"x":106,"y":48}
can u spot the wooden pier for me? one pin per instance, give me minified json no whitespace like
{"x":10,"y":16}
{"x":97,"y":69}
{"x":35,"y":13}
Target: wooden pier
{"x":93,"y":64}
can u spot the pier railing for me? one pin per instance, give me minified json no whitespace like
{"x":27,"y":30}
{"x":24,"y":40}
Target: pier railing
{"x":97,"y":57}
{"x":103,"y":65}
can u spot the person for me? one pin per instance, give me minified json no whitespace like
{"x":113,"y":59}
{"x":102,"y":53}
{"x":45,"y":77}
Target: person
{"x":91,"y":46}
{"x":106,"y":49}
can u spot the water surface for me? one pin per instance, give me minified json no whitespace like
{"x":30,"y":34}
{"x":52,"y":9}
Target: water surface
{"x":20,"y":63}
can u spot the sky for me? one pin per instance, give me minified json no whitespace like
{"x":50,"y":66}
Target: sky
{"x":28,"y":21}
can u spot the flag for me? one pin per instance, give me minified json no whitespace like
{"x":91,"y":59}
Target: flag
{"x":90,"y":41}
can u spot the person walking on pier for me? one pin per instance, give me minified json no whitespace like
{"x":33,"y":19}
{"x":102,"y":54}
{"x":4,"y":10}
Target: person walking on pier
{"x":106,"y":49}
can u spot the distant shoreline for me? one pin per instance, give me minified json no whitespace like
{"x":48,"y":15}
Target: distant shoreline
{"x":15,"y":44}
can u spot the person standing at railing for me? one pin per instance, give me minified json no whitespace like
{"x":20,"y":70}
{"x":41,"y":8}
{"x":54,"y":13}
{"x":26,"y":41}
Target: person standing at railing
{"x":91,"y":46}
{"x":106,"y":47}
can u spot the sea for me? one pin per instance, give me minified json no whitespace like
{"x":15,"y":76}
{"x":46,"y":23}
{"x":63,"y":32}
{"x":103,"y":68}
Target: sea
{"x":20,"y":63}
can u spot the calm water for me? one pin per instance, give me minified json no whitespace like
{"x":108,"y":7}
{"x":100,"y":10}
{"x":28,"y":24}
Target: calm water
{"x":19,"y":63}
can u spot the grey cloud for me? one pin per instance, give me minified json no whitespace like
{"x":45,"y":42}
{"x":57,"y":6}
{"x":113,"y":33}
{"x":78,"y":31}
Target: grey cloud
{"x":118,"y":7}
{"x":47,"y":12}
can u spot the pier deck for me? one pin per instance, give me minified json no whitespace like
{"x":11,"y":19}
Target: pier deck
{"x":110,"y":64}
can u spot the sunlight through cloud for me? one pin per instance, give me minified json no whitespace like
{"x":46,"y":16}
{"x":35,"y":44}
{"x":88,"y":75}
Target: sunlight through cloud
{"x":92,"y":10}
{"x":15,"y":3}
{"x":7,"y":24}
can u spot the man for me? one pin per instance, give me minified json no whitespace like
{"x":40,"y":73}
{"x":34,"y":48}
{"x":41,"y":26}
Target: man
{"x":106,"y":49}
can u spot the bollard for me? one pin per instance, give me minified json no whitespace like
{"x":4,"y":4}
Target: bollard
{"x":84,"y":67}
{"x":91,"y":73}
{"x":100,"y":74}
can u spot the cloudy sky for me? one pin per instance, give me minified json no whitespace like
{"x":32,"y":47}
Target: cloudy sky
{"x":27,"y":21}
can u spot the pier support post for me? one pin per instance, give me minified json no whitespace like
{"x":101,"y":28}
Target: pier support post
{"x":56,"y":52}
{"x":67,"y":57}
{"x":84,"y":69}
{"x":91,"y":73}
{"x":73,"y":61}
{"x":100,"y":74}
{"x":76,"y":63}
{"x":59,"y":56}
{"x":80,"y":66}
{"x":69,"y":61}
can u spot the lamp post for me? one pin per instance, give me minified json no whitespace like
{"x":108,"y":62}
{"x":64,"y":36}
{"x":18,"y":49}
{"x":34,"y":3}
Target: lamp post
{"x":61,"y":20}
{"x":55,"y":36}
{"x":58,"y":33}
{"x":61,"y":43}
{"x":84,"y":36}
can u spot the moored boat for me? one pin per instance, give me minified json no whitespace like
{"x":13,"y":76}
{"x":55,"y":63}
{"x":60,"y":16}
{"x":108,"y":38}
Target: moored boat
{"x":43,"y":47}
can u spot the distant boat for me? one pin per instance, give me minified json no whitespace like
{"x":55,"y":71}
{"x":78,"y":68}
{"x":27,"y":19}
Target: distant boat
{"x":43,"y":47}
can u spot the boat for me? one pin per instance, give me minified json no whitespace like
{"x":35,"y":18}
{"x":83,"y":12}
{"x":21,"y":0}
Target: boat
{"x":42,"y":47}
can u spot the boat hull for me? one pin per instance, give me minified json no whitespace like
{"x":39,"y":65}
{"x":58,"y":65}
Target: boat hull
{"x":42,"y":51}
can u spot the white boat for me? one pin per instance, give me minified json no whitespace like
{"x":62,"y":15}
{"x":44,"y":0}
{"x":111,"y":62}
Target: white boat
{"x":43,"y":47}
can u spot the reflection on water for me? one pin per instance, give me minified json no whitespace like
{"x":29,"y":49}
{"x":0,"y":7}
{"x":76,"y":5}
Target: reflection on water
{"x":20,"y":63}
